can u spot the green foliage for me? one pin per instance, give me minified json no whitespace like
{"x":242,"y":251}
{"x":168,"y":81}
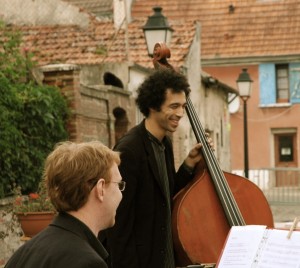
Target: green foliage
{"x":32,"y":118}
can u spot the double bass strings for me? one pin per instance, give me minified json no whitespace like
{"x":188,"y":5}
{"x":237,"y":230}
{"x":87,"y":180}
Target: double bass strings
{"x":226,"y":197}
{"x":227,"y":200}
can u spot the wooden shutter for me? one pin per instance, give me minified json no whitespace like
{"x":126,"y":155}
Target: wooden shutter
{"x":267,"y":83}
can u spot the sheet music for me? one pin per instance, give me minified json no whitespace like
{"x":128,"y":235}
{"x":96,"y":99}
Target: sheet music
{"x":257,"y":247}
{"x":279,"y":251}
{"x":241,"y":247}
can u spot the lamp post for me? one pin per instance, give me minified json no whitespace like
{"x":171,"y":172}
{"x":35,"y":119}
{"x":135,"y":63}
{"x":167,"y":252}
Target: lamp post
{"x":157,"y":30}
{"x":244,"y":83}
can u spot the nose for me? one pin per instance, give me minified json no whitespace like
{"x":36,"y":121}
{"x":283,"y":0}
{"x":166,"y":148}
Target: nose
{"x":180,"y":111}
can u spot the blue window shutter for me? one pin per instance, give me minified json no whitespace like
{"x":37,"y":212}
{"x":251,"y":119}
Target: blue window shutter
{"x":294,"y":70}
{"x":267,"y":83}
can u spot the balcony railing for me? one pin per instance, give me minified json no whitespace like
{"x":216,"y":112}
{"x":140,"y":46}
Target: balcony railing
{"x":281,"y":186}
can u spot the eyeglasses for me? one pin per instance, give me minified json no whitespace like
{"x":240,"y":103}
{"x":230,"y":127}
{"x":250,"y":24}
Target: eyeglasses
{"x":121,"y":184}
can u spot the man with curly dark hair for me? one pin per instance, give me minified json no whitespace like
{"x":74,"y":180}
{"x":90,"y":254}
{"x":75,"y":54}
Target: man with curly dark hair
{"x":142,"y":234}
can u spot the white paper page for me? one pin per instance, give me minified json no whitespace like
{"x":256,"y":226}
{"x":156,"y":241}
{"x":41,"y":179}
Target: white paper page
{"x":279,"y":251}
{"x":241,"y":246}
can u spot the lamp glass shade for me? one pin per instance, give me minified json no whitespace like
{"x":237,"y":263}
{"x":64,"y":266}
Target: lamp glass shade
{"x":244,"y":89}
{"x":156,"y":36}
{"x":244,"y":84}
{"x":157,"y":30}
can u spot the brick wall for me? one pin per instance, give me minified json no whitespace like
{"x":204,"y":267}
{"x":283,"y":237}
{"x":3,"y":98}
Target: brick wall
{"x":91,"y":106}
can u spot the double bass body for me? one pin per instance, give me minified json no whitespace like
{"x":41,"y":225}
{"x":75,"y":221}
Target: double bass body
{"x":200,"y":226}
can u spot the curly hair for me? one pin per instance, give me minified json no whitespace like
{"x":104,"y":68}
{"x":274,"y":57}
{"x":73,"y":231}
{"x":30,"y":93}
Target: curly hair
{"x":152,"y":92}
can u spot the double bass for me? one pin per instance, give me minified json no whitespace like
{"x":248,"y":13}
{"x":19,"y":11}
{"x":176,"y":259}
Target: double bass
{"x":214,"y":201}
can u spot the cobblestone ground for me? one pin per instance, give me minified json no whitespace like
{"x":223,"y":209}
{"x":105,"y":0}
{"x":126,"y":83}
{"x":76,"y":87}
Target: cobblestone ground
{"x":284,"y":214}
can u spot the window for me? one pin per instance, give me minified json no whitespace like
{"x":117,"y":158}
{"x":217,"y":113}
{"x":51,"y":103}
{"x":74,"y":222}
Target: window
{"x":285,"y":148}
{"x":285,"y":157}
{"x":282,"y":83}
{"x":279,"y":83}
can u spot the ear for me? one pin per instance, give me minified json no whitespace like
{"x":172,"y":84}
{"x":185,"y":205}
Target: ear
{"x":100,"y":189}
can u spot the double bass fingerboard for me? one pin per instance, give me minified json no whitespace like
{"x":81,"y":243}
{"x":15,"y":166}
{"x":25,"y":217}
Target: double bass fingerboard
{"x":225,"y":195}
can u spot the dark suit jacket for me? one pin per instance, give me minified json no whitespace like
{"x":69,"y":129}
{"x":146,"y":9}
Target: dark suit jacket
{"x":138,"y":237}
{"x":67,"y":242}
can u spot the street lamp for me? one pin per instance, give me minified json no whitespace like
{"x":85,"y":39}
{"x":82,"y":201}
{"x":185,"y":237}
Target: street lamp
{"x":157,"y":30}
{"x":244,"y":83}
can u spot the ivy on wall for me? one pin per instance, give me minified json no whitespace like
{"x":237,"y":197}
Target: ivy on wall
{"x":32,"y":117}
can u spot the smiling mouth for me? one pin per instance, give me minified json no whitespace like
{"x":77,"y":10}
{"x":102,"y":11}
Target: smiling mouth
{"x":175,"y":122}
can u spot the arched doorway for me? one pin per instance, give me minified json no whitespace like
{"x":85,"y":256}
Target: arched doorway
{"x":121,"y":122}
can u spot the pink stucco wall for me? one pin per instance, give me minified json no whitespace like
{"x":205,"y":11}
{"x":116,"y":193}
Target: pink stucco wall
{"x":260,"y":121}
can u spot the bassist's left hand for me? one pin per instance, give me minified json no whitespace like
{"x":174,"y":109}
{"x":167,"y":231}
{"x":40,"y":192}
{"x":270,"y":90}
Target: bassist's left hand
{"x":195,"y":154}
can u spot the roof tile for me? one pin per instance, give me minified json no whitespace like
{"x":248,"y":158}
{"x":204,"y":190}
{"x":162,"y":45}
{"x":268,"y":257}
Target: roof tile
{"x":254,"y":28}
{"x":101,"y":42}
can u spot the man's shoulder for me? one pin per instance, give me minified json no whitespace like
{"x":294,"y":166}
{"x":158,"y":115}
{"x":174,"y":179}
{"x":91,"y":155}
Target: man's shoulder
{"x":134,"y":136}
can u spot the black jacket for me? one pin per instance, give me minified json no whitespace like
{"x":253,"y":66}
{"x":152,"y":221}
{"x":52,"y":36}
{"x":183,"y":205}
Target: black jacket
{"x":137,"y":239}
{"x":67,"y":242}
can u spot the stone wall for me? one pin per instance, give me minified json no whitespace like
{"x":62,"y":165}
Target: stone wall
{"x":91,"y":106}
{"x":10,"y":232}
